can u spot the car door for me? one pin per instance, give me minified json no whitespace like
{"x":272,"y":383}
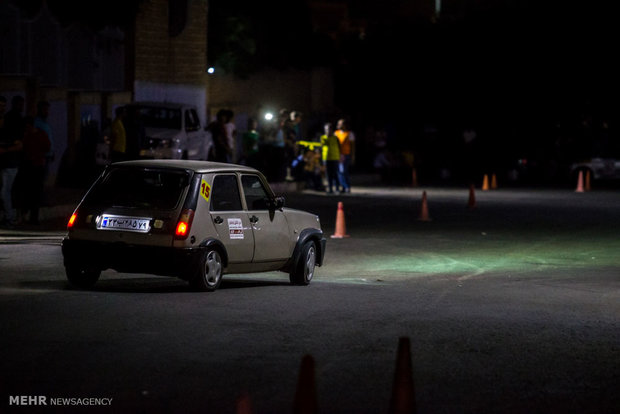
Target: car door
{"x":271,"y":234}
{"x":230,"y":220}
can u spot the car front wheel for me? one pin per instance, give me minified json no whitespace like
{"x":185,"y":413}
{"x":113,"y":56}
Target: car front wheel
{"x":82,"y":278}
{"x":208,"y":276}
{"x":304,"y":270}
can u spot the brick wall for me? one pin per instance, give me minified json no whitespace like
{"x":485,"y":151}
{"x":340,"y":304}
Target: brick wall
{"x":160,"y":58}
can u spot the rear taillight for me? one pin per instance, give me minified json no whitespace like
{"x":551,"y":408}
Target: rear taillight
{"x":72,"y":220}
{"x":184,"y":224}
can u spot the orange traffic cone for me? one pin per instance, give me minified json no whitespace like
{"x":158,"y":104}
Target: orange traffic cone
{"x":341,"y":228}
{"x":586,"y":185}
{"x":414,"y":178}
{"x":305,"y":396}
{"x":424,"y":210}
{"x":403,"y":393}
{"x":579,"y":183}
{"x":493,"y":182}
{"x":244,"y":404}
{"x":485,"y":183}
{"x":472,"y":197}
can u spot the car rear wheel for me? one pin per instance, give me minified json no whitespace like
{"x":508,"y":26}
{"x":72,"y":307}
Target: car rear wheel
{"x":82,"y":278}
{"x":303,"y":272}
{"x":208,"y":276}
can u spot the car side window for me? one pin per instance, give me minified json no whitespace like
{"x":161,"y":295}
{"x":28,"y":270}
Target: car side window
{"x":255,"y":194}
{"x":225,"y":193}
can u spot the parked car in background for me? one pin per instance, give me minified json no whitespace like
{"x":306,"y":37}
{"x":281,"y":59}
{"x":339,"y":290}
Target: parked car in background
{"x":171,"y":131}
{"x":168,"y":131}
{"x":599,"y":168}
{"x":195,"y":220}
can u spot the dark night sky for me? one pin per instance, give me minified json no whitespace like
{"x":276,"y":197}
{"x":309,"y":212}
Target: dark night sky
{"x":512,"y":52}
{"x":481,"y":53}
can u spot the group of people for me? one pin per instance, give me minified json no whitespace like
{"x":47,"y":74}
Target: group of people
{"x":26,"y":151}
{"x":276,"y":152}
{"x":338,"y":154}
{"x":272,"y":150}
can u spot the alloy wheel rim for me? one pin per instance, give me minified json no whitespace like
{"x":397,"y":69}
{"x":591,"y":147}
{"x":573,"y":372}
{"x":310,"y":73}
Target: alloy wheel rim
{"x":310,"y":263}
{"x":213,"y":268}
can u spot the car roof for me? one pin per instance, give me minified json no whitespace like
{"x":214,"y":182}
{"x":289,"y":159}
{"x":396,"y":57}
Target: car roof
{"x":196,"y":166}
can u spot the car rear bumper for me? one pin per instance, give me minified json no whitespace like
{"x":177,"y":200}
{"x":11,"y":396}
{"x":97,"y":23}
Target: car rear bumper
{"x":127,"y":258}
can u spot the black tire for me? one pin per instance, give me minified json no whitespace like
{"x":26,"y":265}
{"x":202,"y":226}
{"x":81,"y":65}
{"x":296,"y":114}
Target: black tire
{"x":303,"y":271}
{"x":82,"y":278}
{"x":208,"y":276}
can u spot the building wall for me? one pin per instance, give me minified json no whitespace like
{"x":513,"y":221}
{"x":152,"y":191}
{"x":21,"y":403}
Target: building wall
{"x":171,"y":67}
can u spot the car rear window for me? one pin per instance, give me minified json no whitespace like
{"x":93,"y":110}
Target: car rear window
{"x":144,"y":189}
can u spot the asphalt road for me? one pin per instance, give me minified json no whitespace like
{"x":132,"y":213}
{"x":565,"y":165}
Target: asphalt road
{"x":510,"y":307}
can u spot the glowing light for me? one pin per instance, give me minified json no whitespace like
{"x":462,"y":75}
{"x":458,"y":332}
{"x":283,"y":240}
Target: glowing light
{"x":211,"y":70}
{"x":268,"y":116}
{"x":184,"y":224}
{"x":181,"y":229}
{"x":72,"y":220}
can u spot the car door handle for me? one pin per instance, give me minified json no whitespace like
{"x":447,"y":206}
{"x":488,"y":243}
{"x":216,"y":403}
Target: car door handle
{"x":218,"y":220}
{"x":253,"y":219}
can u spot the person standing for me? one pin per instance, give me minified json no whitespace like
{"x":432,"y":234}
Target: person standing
{"x":346,"y":138}
{"x":118,"y":136}
{"x":11,"y":136}
{"x":250,"y":141}
{"x":231,"y":136}
{"x":220,"y":150}
{"x":331,"y":156}
{"x":14,"y":118}
{"x":40,"y":122}
{"x":134,"y":132}
{"x":36,"y":147}
{"x":296,"y":125}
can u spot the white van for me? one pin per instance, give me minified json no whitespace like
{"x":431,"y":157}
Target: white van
{"x":172,"y":131}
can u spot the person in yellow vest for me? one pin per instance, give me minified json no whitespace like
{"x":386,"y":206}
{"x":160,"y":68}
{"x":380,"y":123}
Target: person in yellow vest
{"x":331,"y":157}
{"x":346,"y":138}
{"x":118,"y":138}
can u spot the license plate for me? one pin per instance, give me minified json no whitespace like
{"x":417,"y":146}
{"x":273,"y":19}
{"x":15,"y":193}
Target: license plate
{"x":137,"y":224}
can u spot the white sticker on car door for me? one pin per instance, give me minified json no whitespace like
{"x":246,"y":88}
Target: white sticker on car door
{"x":235,"y":229}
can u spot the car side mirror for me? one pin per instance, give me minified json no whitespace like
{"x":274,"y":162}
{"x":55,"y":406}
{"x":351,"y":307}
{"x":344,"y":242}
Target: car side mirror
{"x":278,"y":203}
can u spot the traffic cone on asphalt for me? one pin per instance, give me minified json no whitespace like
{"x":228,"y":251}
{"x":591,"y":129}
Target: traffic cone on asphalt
{"x":341,"y":228}
{"x":586,"y":185}
{"x":493,"y":182}
{"x":305,"y":396}
{"x":424,"y":210}
{"x":472,"y":197}
{"x":579,"y":183}
{"x":485,"y":182}
{"x":403,"y":392}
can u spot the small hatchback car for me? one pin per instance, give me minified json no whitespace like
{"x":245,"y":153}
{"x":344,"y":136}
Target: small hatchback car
{"x":196,"y":220}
